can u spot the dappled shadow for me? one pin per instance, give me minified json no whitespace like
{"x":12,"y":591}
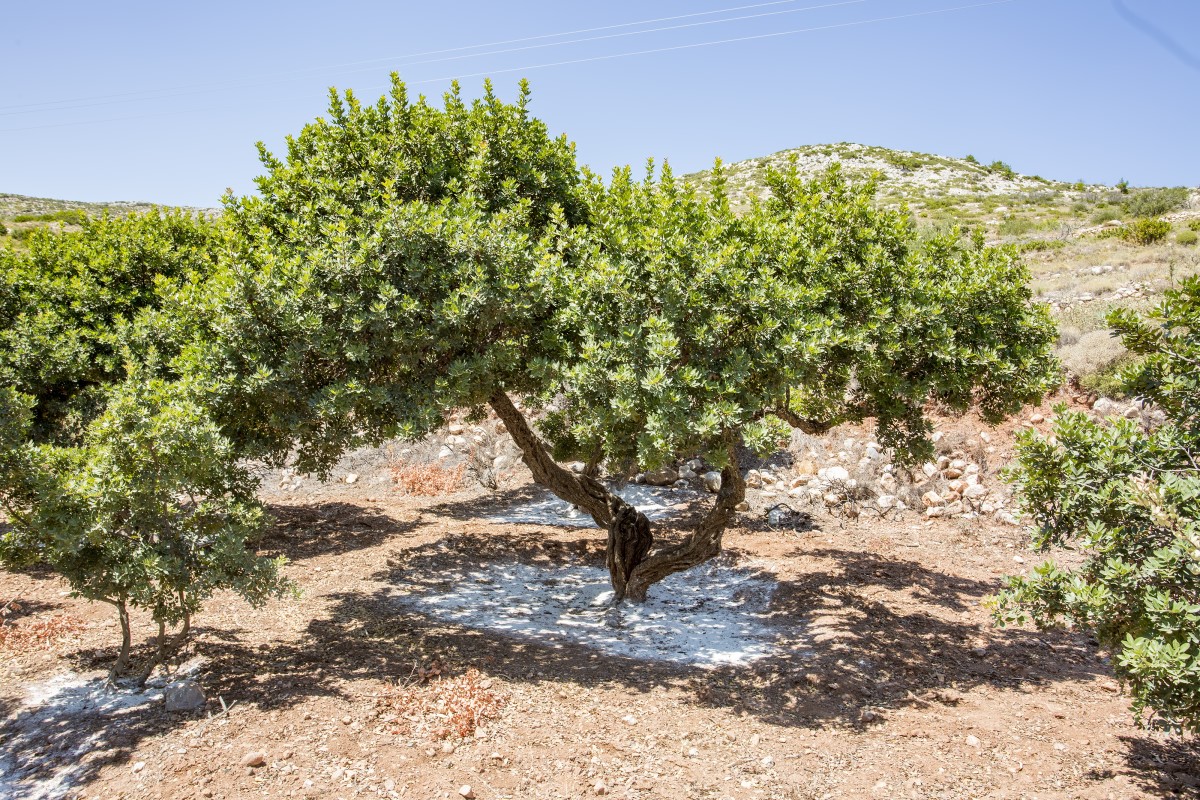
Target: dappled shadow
{"x":1167,"y":767}
{"x":836,"y":650}
{"x":307,"y":531}
{"x":51,"y":748}
{"x":14,"y":609}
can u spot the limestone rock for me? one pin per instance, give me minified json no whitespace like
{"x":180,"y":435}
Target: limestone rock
{"x":184,"y":696}
{"x":662,"y":477}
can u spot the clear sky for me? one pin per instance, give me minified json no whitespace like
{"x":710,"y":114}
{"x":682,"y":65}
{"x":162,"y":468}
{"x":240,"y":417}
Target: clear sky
{"x":163,"y":101}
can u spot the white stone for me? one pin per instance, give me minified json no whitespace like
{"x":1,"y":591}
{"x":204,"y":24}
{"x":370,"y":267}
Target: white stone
{"x":712,"y":481}
{"x":837,"y":474}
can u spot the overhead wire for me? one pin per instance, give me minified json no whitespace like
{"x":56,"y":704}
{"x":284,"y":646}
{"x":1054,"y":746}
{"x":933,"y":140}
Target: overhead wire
{"x":605,"y":57}
{"x":272,"y":78}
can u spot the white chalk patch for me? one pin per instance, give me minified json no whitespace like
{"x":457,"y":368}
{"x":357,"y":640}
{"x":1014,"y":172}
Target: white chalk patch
{"x":52,"y":744}
{"x":654,"y":502}
{"x":709,"y":616}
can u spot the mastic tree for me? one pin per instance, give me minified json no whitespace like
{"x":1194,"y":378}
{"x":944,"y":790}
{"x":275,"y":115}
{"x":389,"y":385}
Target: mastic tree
{"x":405,"y":260}
{"x":68,"y":301}
{"x":1128,"y":496}
{"x":150,"y":510}
{"x":111,"y":476}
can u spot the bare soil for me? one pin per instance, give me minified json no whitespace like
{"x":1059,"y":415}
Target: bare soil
{"x":888,"y":678}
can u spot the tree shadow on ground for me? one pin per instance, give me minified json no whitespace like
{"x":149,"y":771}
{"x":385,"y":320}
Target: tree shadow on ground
{"x":307,"y":531}
{"x":53,"y":748}
{"x":1168,"y":767}
{"x":838,"y":650}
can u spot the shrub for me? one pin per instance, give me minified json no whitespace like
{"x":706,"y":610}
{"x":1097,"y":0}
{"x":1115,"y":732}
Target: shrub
{"x":1187,"y":237}
{"x":1079,"y":186}
{"x":1123,"y":186}
{"x":1105,"y":214}
{"x":428,"y":480}
{"x":3,"y":229}
{"x":1145,"y":231}
{"x":67,"y":217}
{"x":1002,"y":169}
{"x":1042,"y":245}
{"x":1090,"y":353}
{"x":1016,"y":226}
{"x":970,"y":159}
{"x":1156,"y":202}
{"x":1194,"y":224}
{"x":151,"y":510}
{"x":68,"y":302}
{"x":1129,"y":498}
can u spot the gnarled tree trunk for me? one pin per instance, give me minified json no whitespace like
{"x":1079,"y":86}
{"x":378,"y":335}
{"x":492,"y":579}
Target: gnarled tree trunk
{"x":632,"y":568}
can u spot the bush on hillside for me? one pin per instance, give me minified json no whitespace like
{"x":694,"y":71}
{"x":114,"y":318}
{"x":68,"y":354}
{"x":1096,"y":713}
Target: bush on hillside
{"x":1187,"y":238}
{"x":1145,"y":231}
{"x":1156,"y":202}
{"x":1129,"y":498}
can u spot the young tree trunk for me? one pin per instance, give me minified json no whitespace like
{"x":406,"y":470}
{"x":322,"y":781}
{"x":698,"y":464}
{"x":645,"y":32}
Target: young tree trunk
{"x":631,"y":567}
{"x":122,"y":664}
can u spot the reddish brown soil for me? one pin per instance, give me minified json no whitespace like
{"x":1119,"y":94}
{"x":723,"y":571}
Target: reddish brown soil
{"x":912,"y":691}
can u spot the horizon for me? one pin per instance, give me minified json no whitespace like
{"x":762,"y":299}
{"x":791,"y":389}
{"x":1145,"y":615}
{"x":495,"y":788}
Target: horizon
{"x":1068,"y":89}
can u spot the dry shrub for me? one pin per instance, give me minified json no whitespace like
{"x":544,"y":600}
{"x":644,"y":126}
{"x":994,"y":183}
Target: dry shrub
{"x":1093,"y":352}
{"x":36,"y":634}
{"x":440,"y":707}
{"x":428,"y":480}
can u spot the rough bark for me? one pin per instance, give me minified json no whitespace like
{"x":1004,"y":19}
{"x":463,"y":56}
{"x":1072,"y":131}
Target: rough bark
{"x":702,"y":544}
{"x":632,"y":568}
{"x":580,"y":490}
{"x":629,"y":542}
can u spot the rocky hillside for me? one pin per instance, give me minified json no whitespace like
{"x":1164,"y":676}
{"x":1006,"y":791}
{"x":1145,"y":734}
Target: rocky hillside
{"x":915,"y":177}
{"x":15,"y":205}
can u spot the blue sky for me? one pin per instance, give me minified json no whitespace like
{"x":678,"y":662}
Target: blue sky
{"x":163,"y":101}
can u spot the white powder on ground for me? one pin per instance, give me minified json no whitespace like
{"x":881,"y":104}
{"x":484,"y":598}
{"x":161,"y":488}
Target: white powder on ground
{"x":653,"y":501}
{"x":52,"y":743}
{"x":709,"y":616}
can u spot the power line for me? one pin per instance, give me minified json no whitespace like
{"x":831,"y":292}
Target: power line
{"x":608,"y":57}
{"x":272,"y":78}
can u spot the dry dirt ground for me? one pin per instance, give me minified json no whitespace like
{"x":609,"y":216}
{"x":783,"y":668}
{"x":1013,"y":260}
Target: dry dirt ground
{"x":885,"y":677}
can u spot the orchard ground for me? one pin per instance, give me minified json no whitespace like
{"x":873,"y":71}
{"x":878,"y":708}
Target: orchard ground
{"x":854,"y":658}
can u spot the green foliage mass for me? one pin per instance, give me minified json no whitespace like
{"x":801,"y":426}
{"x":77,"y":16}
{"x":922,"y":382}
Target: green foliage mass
{"x":67,"y":303}
{"x":117,"y":481}
{"x":368,"y":294}
{"x":1145,"y":231}
{"x":1187,"y":238}
{"x":403,"y":260}
{"x":150,"y":510}
{"x":1156,"y":202}
{"x":68,"y":216}
{"x":1130,"y":499}
{"x":814,"y":307}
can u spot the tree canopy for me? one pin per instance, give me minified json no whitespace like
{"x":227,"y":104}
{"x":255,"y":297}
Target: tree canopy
{"x":404,"y":261}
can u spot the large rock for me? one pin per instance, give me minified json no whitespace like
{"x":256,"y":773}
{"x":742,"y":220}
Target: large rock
{"x":712,"y":481}
{"x":662,"y":477}
{"x":932,"y":500}
{"x":184,"y":696}
{"x":837,"y":474}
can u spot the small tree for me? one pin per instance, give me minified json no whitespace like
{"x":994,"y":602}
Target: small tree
{"x":404,"y":261}
{"x":150,"y":511}
{"x":1130,"y":498}
{"x":109,"y":476}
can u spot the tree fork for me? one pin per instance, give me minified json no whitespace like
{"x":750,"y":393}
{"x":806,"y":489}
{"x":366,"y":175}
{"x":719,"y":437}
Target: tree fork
{"x":631,"y":568}
{"x":703,"y":544}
